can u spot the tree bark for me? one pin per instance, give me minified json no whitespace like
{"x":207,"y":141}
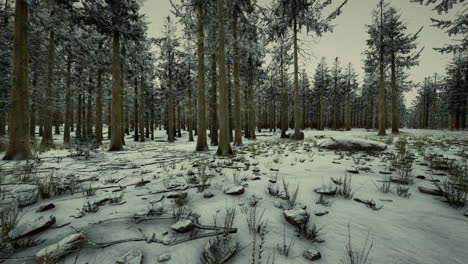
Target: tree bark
{"x":395,"y":113}
{"x":19,"y":145}
{"x":202,"y":144}
{"x":116,"y":143}
{"x":68,"y":109}
{"x":237,"y":103}
{"x":224,"y":147}
{"x":99,"y":108}
{"x":47,"y":139}
{"x":297,"y":124}
{"x":170,"y":106}
{"x":382,"y":104}
{"x":213,"y":104}
{"x":135,"y":112}
{"x":141,"y":110}
{"x":32,"y":125}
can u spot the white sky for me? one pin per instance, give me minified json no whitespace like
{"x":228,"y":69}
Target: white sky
{"x":349,"y":37}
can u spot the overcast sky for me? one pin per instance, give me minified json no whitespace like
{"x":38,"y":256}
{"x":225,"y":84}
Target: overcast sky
{"x":348,"y":39}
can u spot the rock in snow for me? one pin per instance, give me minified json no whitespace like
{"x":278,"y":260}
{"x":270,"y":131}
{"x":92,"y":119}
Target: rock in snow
{"x":56,"y":251}
{"x":312,"y":255}
{"x":351,"y":143}
{"x":234,"y":190}
{"x":164,"y":257}
{"x":182,"y":226}
{"x":133,"y":256}
{"x":45,"y":207}
{"x":296,"y":216}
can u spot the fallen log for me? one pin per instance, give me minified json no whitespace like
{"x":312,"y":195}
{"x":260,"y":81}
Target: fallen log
{"x":55,"y":252}
{"x":430,"y":191}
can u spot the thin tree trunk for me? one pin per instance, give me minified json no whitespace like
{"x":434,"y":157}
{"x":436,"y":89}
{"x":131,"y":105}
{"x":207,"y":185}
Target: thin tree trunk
{"x":213,"y":103}
{"x":236,"y":58}
{"x":47,"y":138}
{"x":202,"y":144}
{"x":382,"y":104}
{"x":229,"y":88}
{"x":224,"y":147}
{"x":32,"y":125}
{"x":170,"y":107}
{"x":251,"y":102}
{"x":89,"y":112}
{"x":99,"y":108}
{"x":135,"y":112}
{"x":68,"y":109}
{"x":395,"y":119}
{"x":79,"y":115}
{"x":297,"y":124}
{"x":141,"y":110}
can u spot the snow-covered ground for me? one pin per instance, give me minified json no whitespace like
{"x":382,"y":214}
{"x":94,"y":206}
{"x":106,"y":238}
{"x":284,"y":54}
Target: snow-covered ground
{"x":418,"y":229}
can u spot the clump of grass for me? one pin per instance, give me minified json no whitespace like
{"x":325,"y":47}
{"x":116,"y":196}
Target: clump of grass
{"x":403,"y":192}
{"x":111,"y":180}
{"x":311,"y":233}
{"x":9,"y":219}
{"x":179,"y":208}
{"x":322,"y":201}
{"x":356,"y":256}
{"x":385,"y":187}
{"x":285,"y":248}
{"x":253,"y":216}
{"x":89,"y":207}
{"x":203,"y":177}
{"x":272,"y":189}
{"x":26,"y":171}
{"x":455,"y":187}
{"x":47,"y":186}
{"x":116,"y":199}
{"x":291,"y":198}
{"x":345,"y":189}
{"x":89,"y":190}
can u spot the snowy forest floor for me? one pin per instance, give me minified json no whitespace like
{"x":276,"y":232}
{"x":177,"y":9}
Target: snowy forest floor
{"x":419,"y":229}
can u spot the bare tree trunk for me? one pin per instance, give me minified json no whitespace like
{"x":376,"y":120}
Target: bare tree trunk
{"x":213,"y":104}
{"x":141,"y":110}
{"x":68,"y":109}
{"x":284,"y":99}
{"x":19,"y":145}
{"x":251,"y":101}
{"x":189,"y":113}
{"x":32,"y":125}
{"x":116,"y":143}
{"x":236,"y":58}
{"x":297,"y":124}
{"x":170,"y":107}
{"x":135,"y":112}
{"x":224,"y":147}
{"x":89,"y":112}
{"x":202,"y":144}
{"x":47,"y":138}
{"x":79,"y":115}
{"x":382,"y":104}
{"x":99,"y":108}
{"x":229,"y":88}
{"x":395,"y":113}
{"x":179,"y":120}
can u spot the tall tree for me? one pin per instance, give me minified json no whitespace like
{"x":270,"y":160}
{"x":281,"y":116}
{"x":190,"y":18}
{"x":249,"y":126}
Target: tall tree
{"x":224,"y":147}
{"x":18,"y":146}
{"x":294,"y":15}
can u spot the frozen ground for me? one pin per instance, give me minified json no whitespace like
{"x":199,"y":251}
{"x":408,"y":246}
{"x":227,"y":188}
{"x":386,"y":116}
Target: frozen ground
{"x":419,"y":229}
